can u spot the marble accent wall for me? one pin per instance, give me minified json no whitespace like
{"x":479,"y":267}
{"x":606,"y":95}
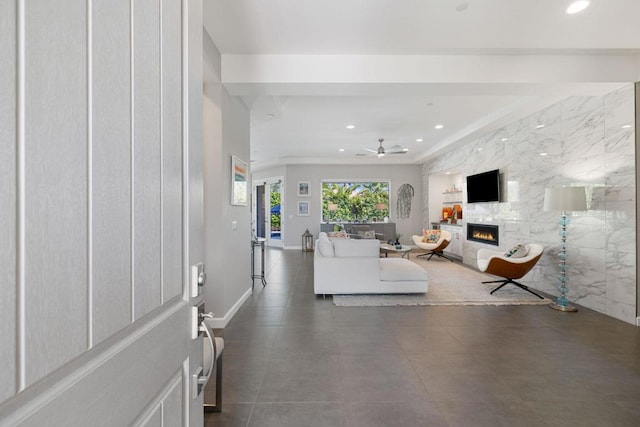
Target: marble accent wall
{"x":586,"y":141}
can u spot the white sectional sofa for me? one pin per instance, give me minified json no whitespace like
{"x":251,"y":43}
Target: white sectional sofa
{"x":354,"y":266}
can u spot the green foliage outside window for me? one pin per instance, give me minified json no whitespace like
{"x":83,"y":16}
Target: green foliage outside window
{"x":354,"y":201}
{"x":275,"y":201}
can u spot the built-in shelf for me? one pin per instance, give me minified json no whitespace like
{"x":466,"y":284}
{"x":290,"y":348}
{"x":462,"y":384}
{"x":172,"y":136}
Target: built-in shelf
{"x":452,"y":203}
{"x":452,"y":192}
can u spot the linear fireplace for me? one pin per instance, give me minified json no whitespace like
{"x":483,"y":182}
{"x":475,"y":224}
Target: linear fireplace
{"x":483,"y":233}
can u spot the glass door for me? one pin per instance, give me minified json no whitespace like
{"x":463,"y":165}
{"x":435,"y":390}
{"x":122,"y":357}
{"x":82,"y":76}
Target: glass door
{"x":268,"y":211}
{"x":274,"y":218}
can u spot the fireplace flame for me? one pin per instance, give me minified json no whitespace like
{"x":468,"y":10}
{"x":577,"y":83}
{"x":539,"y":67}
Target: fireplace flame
{"x":483,"y":236}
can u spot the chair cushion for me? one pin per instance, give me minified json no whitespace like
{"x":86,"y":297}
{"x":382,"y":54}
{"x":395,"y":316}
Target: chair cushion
{"x":399,"y":269}
{"x":518,"y":251}
{"x":430,"y":236}
{"x":326,"y":248}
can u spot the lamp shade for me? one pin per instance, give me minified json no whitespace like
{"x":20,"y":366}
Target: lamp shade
{"x":565,"y":199}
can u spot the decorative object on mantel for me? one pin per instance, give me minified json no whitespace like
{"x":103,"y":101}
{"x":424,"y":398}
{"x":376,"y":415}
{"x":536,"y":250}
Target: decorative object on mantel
{"x":564,"y":199}
{"x":405,"y":194}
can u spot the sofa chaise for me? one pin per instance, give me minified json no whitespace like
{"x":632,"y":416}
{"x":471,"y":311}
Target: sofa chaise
{"x":354,"y":266}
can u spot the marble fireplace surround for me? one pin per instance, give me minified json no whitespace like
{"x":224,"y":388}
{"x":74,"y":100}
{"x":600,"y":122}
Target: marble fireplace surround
{"x":588,"y":141}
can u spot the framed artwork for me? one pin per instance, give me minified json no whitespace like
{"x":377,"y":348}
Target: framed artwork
{"x":239,"y":180}
{"x":303,"y":208}
{"x":303,"y":188}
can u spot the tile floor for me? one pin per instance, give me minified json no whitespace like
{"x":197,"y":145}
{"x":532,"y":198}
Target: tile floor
{"x":294,"y":359}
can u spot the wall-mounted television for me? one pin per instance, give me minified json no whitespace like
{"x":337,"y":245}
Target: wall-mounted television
{"x":484,"y":187}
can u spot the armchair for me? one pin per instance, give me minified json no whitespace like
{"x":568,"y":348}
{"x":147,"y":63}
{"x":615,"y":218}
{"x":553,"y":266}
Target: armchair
{"x":434,"y":248}
{"x":496,"y":263}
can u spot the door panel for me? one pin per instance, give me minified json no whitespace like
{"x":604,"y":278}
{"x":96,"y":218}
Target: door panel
{"x":54,"y":267}
{"x":8,"y":197}
{"x":171,"y":153}
{"x":146,"y":156}
{"x":111,"y":169}
{"x":115,"y":380}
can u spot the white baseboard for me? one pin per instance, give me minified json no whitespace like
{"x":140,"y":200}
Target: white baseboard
{"x":221,"y":322}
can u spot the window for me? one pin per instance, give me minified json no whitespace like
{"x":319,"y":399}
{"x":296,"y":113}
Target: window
{"x":350,"y":201}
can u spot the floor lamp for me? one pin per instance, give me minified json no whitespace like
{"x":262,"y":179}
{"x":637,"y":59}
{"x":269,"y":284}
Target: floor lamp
{"x":565,"y":199}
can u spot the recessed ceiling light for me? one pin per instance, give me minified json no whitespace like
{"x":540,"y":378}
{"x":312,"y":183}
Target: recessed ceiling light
{"x":462,"y":6}
{"x":577,"y":6}
{"x":543,"y":154}
{"x":438,"y":126}
{"x":447,"y":173}
{"x":504,"y":139}
{"x":539,"y":126}
{"x":405,"y":149}
{"x":350,"y":126}
{"x":419,"y":140}
{"x":270,"y":116}
{"x":479,"y":149}
{"x":626,"y":126}
{"x":341,"y":149}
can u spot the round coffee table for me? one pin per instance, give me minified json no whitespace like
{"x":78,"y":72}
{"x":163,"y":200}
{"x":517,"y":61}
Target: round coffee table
{"x":404,"y":251}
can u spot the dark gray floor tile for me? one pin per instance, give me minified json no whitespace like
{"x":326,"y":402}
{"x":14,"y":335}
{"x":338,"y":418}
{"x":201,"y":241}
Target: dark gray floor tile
{"x":397,"y":414}
{"x":300,"y":387}
{"x":232,"y":415}
{"x":321,"y":414}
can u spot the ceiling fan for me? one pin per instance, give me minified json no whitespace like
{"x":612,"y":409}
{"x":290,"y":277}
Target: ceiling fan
{"x":380,"y":152}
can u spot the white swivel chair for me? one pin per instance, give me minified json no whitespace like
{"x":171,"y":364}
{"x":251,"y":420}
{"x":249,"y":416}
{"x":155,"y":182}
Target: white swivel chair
{"x":434,"y":248}
{"x":496,"y":263}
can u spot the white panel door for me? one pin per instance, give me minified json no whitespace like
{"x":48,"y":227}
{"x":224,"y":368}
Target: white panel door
{"x":101,"y":183}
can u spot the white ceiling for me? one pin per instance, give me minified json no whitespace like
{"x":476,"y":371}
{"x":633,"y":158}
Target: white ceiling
{"x":395,"y":69}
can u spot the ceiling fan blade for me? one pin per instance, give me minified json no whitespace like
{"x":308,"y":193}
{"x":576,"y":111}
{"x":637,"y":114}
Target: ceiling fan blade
{"x":397,"y":152}
{"x":369,"y":150}
{"x":365,"y":155}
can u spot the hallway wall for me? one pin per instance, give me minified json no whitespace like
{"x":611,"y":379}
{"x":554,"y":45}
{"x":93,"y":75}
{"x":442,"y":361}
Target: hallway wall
{"x":227,"y":246}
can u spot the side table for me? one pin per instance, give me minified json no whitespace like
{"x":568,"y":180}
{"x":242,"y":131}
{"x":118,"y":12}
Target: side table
{"x":257,"y":243}
{"x":404,"y":251}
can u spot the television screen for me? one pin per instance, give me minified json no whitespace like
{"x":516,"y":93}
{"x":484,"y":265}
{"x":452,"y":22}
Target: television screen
{"x":484,"y":187}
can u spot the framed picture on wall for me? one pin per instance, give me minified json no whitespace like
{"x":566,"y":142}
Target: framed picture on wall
{"x":303,"y":208}
{"x":239,"y":179}
{"x":303,"y":188}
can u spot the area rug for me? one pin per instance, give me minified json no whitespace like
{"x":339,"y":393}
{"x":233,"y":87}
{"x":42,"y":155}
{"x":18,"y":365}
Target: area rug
{"x":449,"y":284}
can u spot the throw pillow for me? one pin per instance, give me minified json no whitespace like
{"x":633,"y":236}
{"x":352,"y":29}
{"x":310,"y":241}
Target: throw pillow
{"x":338,"y":234}
{"x":430,"y":236}
{"x":368,"y":234}
{"x":518,"y":251}
{"x":325,"y":247}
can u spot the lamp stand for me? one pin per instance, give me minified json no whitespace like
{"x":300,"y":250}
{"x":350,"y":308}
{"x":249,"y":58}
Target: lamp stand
{"x":562,"y":303}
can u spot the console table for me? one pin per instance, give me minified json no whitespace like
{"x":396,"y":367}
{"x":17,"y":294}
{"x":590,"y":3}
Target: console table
{"x":257,"y":243}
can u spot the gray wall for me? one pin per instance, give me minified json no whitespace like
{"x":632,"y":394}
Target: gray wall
{"x":294,"y":225}
{"x":589,"y":141}
{"x":226,"y":133}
